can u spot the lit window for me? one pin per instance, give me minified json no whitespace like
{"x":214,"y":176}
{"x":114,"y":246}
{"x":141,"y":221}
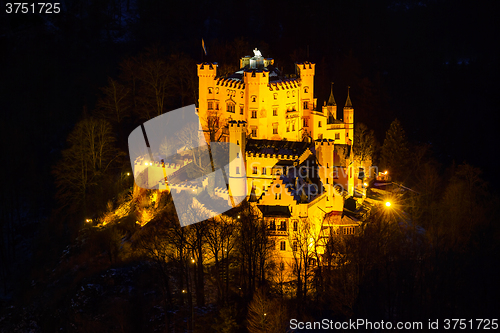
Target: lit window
{"x":209,"y":90}
{"x":264,"y":170}
{"x":230,"y":107}
{"x":254,"y":98}
{"x":306,"y":105}
{"x":275,"y":96}
{"x":283,"y":225}
{"x":337,"y":136}
{"x":305,"y":122}
{"x":254,"y":132}
{"x":217,"y":106}
{"x":275,"y":112}
{"x":283,"y":246}
{"x":254,"y":114}
{"x":241,"y":109}
{"x":293,"y":127}
{"x":254,"y":170}
{"x":279,"y":196}
{"x":287,"y":127}
{"x":237,"y":170}
{"x":275,"y":130}
{"x":306,"y":89}
{"x":210,"y":106}
{"x":319,"y":123}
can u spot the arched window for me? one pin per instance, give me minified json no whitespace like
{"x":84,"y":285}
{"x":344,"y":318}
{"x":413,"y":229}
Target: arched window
{"x":230,"y":107}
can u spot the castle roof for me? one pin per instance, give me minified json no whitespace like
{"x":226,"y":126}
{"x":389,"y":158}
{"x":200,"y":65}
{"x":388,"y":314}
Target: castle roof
{"x":348,"y":103}
{"x":276,"y":147}
{"x":274,"y":74}
{"x":331,"y":100}
{"x":274,"y":211}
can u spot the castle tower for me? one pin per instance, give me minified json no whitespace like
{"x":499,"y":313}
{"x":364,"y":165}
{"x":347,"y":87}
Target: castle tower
{"x":306,"y":73}
{"x":349,"y":118}
{"x":324,"y":152}
{"x":331,"y":107}
{"x":349,"y":129}
{"x":206,"y":76}
{"x":237,"y":170}
{"x":256,"y":80}
{"x":307,"y":103}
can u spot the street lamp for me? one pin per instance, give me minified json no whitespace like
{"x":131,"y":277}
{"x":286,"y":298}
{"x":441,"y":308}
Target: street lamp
{"x":388,"y":204}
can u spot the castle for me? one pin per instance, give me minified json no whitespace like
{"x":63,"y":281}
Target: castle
{"x":292,"y":160}
{"x":298,"y":158}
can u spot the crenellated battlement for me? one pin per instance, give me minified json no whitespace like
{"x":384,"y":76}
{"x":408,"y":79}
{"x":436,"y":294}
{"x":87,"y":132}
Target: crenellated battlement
{"x":324,"y":142}
{"x":271,"y":156}
{"x":235,"y":124}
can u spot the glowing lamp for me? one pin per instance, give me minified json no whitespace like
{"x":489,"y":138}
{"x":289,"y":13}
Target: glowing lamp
{"x":388,"y":203}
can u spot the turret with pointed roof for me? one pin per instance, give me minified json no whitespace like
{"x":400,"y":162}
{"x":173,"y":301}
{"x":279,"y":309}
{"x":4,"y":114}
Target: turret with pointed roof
{"x":331,"y":106}
{"x":348,"y":103}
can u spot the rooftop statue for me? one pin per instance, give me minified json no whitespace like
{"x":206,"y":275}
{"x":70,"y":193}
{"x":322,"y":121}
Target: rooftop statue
{"x":257,"y":53}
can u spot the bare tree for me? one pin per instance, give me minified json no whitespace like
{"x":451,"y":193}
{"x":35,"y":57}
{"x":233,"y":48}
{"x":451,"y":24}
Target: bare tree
{"x":305,"y":246}
{"x":221,"y":240}
{"x":85,"y":163}
{"x":364,"y":144}
{"x":266,"y":315}
{"x":114,"y":105}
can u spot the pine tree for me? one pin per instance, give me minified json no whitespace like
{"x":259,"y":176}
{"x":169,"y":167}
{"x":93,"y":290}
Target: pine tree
{"x":395,"y":151}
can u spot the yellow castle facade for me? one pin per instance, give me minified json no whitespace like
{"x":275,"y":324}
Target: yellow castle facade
{"x":298,"y":158}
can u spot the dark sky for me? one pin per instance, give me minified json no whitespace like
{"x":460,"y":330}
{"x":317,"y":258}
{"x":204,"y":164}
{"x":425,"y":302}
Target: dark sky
{"x":433,"y":63}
